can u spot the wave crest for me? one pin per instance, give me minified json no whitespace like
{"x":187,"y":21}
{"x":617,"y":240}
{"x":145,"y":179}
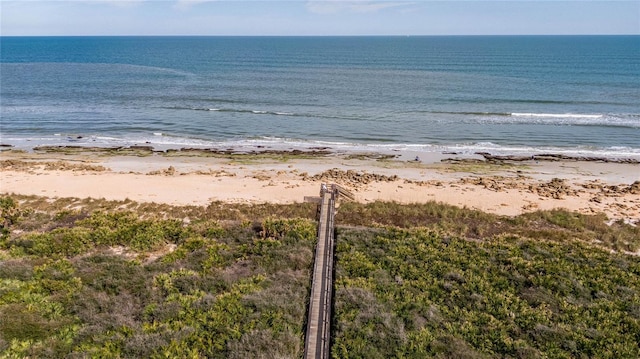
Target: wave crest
{"x":555,"y":115}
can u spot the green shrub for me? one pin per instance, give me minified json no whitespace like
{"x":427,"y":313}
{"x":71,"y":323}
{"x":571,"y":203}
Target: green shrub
{"x":507,"y":296}
{"x":289,"y":229}
{"x":233,"y":281}
{"x":127,"y":229}
{"x":10,"y":214}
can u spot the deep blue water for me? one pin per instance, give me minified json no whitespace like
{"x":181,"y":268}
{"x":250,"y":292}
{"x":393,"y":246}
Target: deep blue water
{"x":514,"y":94}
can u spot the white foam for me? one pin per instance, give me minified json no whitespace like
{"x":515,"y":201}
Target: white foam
{"x":163,"y":141}
{"x":555,"y":115}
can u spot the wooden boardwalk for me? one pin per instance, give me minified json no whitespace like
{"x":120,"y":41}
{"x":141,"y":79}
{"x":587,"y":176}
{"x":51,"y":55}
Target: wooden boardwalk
{"x":318,"y":337}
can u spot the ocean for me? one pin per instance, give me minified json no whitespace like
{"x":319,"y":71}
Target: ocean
{"x":573,"y":95}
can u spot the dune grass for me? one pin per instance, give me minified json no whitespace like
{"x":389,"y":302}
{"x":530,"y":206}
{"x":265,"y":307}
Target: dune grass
{"x":557,"y":225}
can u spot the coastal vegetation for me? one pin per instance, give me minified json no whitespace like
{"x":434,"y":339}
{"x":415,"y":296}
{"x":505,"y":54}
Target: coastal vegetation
{"x":118,"y":283}
{"x":96,"y":278}
{"x":425,"y":293}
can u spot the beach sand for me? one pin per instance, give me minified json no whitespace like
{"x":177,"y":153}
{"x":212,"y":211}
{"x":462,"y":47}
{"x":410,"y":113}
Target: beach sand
{"x":199,"y":177}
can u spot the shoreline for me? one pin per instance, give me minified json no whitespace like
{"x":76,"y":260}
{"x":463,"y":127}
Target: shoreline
{"x":160,"y":142}
{"x":406,"y":154}
{"x":504,"y":185}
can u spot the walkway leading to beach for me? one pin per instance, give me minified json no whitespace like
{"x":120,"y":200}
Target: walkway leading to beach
{"x":318,"y":336}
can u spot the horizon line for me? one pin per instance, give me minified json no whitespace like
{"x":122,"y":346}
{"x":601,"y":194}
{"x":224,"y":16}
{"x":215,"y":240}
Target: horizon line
{"x":432,"y":35}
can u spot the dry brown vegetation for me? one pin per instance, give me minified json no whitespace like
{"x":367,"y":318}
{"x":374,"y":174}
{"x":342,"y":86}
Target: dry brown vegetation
{"x":19,"y":165}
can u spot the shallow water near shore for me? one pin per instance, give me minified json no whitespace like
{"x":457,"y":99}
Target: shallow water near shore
{"x":572,"y":95}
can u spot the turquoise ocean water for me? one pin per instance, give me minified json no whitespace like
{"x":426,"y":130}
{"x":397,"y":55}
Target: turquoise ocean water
{"x":577,"y":95}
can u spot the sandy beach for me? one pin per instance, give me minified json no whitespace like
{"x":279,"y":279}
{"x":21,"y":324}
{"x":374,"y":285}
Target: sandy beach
{"x":197,"y":177}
